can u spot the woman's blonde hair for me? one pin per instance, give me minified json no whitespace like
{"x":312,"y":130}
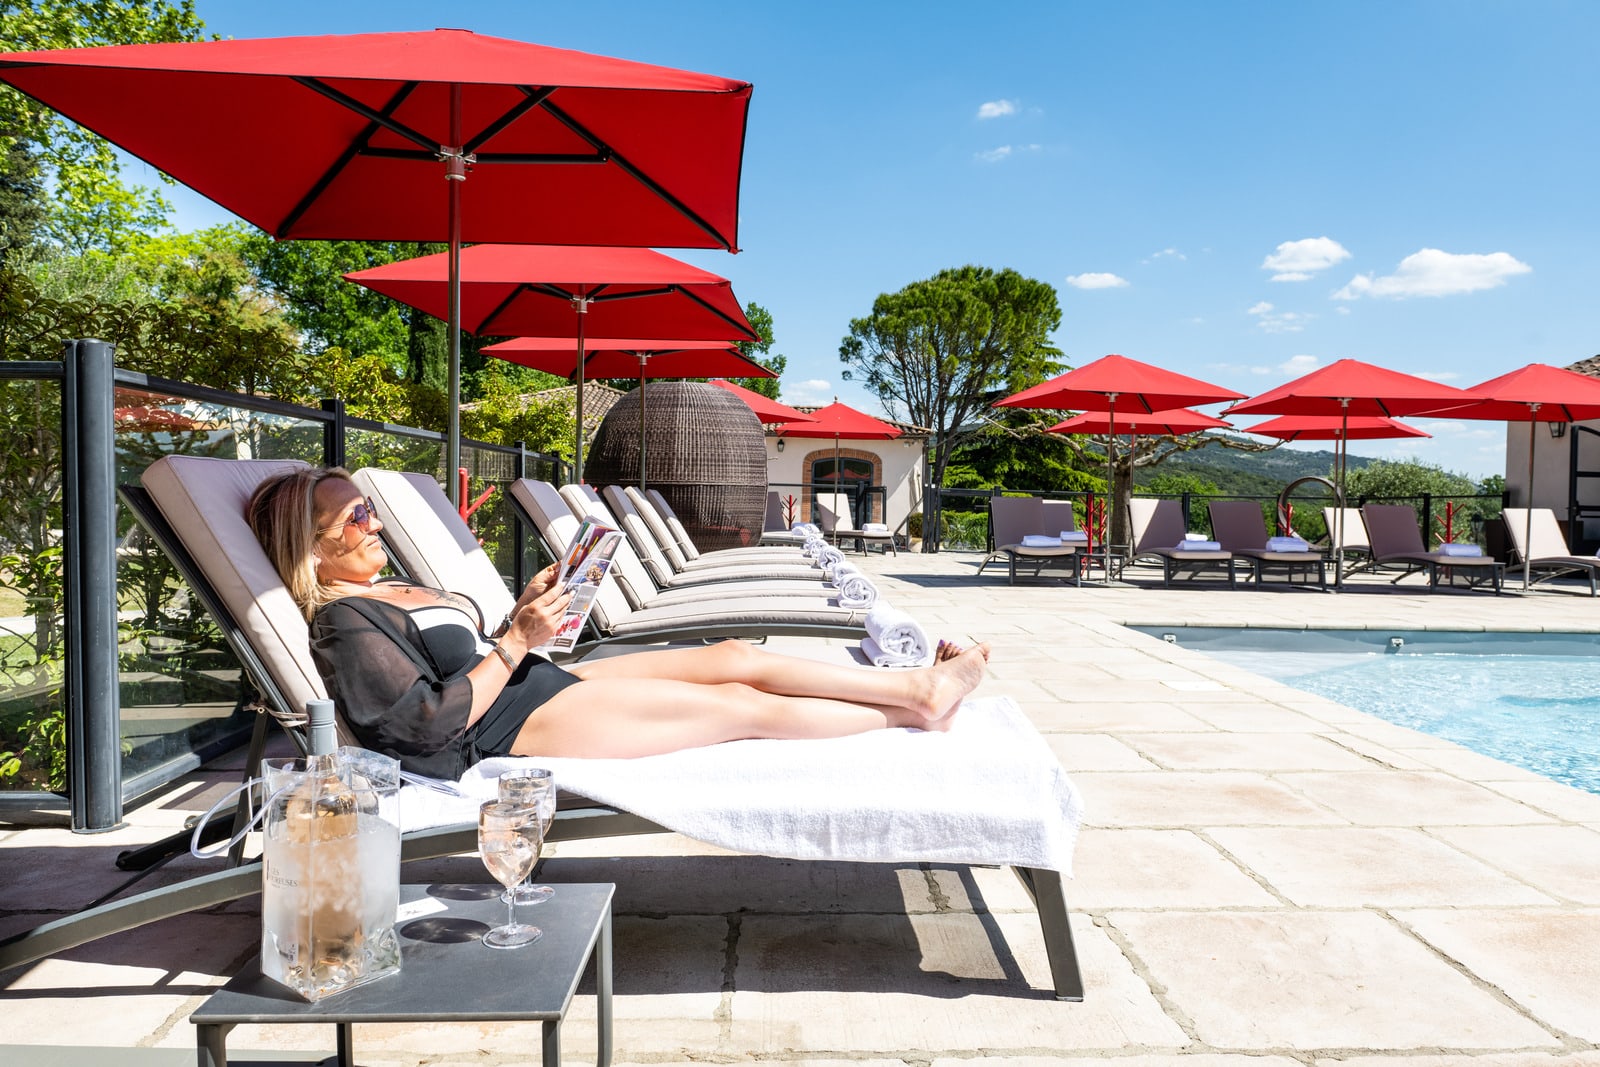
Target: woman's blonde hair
{"x":282,"y":514}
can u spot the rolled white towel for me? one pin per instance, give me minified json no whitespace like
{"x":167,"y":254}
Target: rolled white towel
{"x":1195,"y":545}
{"x":856,"y":590}
{"x":1040,"y":541}
{"x":1074,"y":537}
{"x":879,"y":658}
{"x":837,"y":569}
{"x":875,"y":528}
{"x":898,"y":635}
{"x":1287,"y":544}
{"x":1452,"y":548}
{"x":828,"y":557}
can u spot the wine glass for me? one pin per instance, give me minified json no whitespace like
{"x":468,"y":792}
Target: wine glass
{"x":531,"y":787}
{"x":509,"y":838}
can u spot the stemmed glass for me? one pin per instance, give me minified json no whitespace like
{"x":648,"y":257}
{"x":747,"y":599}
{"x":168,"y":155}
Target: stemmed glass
{"x":532,"y":787}
{"x":509,"y":838}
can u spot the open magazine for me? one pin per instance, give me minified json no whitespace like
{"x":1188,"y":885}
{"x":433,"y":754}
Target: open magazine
{"x":585,"y":567}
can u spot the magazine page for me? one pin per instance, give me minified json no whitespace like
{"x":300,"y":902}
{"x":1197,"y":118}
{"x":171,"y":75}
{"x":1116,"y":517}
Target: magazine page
{"x":582,"y":572}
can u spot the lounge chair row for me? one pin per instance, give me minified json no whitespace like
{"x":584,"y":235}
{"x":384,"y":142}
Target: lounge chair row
{"x":1389,"y":536}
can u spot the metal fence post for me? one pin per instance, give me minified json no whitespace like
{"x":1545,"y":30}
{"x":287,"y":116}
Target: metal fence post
{"x":1427,"y":520}
{"x":333,"y":451}
{"x":92,"y":696}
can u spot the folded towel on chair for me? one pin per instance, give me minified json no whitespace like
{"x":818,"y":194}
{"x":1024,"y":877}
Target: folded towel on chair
{"x":1287,"y":544}
{"x":1452,"y":548}
{"x":1040,"y":541}
{"x":875,"y":527}
{"x":1190,"y":544}
{"x":898,"y":635}
{"x":989,"y":791}
{"x":1074,"y":537}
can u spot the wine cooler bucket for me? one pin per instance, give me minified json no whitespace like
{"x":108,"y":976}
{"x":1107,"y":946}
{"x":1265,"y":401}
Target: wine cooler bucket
{"x":330,"y":871}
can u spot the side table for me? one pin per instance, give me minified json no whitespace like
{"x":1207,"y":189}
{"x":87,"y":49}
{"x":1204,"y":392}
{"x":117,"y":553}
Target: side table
{"x":446,"y":973}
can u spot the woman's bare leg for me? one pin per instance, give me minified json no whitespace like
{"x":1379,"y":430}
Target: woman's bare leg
{"x":627,"y":717}
{"x":932,"y":692}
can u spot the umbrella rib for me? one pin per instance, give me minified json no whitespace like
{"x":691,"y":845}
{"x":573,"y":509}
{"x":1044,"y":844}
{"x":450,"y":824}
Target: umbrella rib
{"x":532,"y":99}
{"x":719,"y":313}
{"x":636,"y":174}
{"x":351,"y":150}
{"x":667,"y":290}
{"x":382,"y":118}
{"x":516,"y":291}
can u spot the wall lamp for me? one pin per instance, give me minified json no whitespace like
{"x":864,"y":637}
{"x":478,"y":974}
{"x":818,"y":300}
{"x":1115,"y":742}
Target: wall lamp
{"x":1558,"y":430}
{"x":1552,"y":425}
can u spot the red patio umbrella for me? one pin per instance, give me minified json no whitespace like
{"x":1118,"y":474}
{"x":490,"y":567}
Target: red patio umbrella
{"x":550,"y":290}
{"x":1177,"y":422}
{"x":767,"y":410}
{"x":624,"y":357}
{"x":1334,"y":428}
{"x":349,"y":137}
{"x":1348,"y":388}
{"x":840,"y":421}
{"x":1100,"y":385}
{"x":1532,"y":394}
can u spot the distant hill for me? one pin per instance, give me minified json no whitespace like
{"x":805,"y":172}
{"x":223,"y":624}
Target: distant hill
{"x":1250,"y":473}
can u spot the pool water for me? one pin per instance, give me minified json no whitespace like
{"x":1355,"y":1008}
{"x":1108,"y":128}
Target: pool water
{"x":1532,"y":710}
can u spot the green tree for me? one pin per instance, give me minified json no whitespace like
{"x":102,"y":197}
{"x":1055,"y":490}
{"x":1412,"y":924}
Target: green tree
{"x":89,"y":205}
{"x":937,"y":351}
{"x":1406,"y":481}
{"x":22,"y":213}
{"x":761,"y":321}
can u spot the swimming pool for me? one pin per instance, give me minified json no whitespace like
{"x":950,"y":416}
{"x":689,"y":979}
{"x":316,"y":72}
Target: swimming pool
{"x":1531,"y":700}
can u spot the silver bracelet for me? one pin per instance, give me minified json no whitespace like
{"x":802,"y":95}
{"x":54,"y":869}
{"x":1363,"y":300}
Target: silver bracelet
{"x":505,"y":657}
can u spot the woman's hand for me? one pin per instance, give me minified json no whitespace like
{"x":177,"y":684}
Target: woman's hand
{"x":537,"y":586}
{"x":533,"y":623}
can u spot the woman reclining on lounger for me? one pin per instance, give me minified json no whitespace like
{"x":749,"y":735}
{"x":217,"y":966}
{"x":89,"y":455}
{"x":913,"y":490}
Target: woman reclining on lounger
{"x":417,"y":675}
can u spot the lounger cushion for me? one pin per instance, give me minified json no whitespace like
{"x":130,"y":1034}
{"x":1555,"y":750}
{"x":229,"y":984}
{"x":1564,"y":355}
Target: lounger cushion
{"x":427,"y":532}
{"x":204,"y":500}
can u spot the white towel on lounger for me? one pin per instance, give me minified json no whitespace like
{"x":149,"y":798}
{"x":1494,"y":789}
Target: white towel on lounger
{"x":1188,"y":545}
{"x":899,"y":635}
{"x":1040,"y":541}
{"x":1287,"y":544}
{"x":1451,"y":548}
{"x":1074,"y":537}
{"x":989,"y":791}
{"x":856,"y":590}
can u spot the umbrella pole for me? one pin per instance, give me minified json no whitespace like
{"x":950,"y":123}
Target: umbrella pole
{"x":455,"y":173}
{"x":1338,"y":515}
{"x":1527,"y":528}
{"x":581,"y":306}
{"x":642,"y":358}
{"x":1111,"y":478}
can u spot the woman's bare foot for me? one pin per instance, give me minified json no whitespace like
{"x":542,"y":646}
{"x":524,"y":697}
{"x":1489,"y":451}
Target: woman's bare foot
{"x":953,"y":678}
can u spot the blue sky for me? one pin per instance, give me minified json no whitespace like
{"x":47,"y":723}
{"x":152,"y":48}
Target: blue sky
{"x":1237,"y":191}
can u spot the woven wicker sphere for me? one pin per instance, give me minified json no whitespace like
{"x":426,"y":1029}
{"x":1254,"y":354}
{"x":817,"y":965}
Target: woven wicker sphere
{"x":703,"y":449}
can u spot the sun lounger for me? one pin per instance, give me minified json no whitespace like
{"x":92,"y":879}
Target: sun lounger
{"x":680,"y":549}
{"x":1159,"y":533}
{"x":643,"y":591}
{"x":1014,"y":518}
{"x":814,"y":816}
{"x":1396,"y":539}
{"x":1239,"y":527}
{"x":1547,"y":550}
{"x":1357,"y":554}
{"x":652,"y":554}
{"x":833,"y":516}
{"x":614,"y":617}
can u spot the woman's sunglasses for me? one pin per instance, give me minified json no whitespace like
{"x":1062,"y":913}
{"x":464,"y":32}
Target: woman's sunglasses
{"x":361,"y":517}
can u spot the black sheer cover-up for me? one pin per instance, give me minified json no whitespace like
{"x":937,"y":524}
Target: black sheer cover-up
{"x":404,"y":690}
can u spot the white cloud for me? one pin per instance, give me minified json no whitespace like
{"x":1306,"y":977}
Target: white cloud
{"x":809,"y":391}
{"x":1165,"y":253}
{"x":1297,"y":261}
{"x":994,"y":155}
{"x":995,"y":109}
{"x":1295,"y":366}
{"x":1273,"y":321}
{"x":1096,"y":280}
{"x":1437,"y":375}
{"x":1431,"y":272}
